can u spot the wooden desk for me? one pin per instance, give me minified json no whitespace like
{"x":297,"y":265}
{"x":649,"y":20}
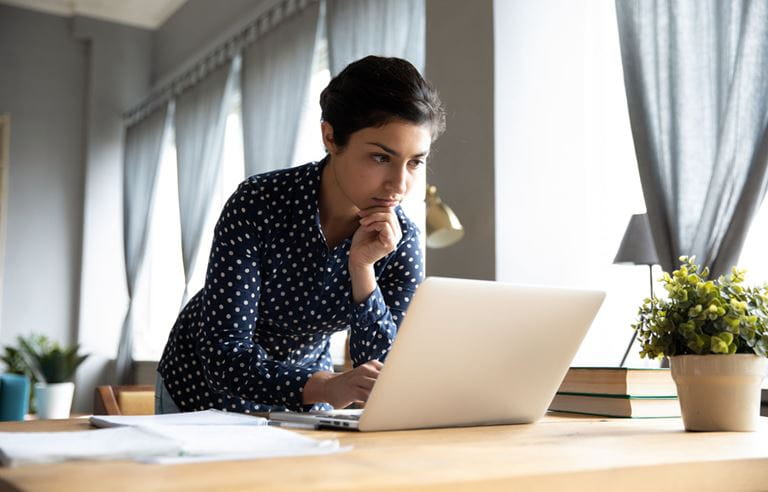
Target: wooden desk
{"x":558,"y":453}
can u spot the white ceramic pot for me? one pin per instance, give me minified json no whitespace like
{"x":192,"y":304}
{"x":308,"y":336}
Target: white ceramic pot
{"x":54,"y":401}
{"x":719,"y":392}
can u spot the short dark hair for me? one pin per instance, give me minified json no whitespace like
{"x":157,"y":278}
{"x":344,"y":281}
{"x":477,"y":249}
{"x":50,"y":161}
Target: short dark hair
{"x":373,"y":91}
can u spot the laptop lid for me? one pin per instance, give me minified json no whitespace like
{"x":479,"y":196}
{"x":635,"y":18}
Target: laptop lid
{"x":473,"y":352}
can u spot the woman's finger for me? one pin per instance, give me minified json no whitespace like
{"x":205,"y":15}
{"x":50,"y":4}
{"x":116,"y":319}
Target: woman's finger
{"x":366,"y":383}
{"x":362,"y":394}
{"x":368,"y":211}
{"x":387,"y":236}
{"x":377,"y":217}
{"x":368,"y":371}
{"x":395,"y":224}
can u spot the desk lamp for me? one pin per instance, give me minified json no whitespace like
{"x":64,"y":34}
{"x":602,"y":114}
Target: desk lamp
{"x":637,"y":248}
{"x":443,"y":227}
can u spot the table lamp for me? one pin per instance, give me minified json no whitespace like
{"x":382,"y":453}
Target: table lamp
{"x":637,"y":248}
{"x":443,"y":227}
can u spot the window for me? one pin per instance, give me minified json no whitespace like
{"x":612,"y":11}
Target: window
{"x":232,"y":172}
{"x":309,"y":147}
{"x":753,"y":257}
{"x":309,"y":144}
{"x":566,"y":174}
{"x":161,"y":284}
{"x":161,"y":287}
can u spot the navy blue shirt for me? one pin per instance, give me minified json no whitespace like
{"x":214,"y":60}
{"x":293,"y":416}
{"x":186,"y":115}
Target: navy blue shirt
{"x":274,"y":293}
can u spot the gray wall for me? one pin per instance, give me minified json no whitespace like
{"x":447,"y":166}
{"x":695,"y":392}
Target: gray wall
{"x":118,"y":77}
{"x":65,"y":83}
{"x":42,"y":86}
{"x":460,"y":65}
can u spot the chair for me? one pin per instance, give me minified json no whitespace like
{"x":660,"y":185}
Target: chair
{"x":124,"y":400}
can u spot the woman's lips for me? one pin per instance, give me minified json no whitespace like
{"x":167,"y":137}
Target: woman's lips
{"x":386,"y":203}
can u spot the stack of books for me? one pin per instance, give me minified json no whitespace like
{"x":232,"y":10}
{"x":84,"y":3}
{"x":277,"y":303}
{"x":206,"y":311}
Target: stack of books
{"x":618,"y":392}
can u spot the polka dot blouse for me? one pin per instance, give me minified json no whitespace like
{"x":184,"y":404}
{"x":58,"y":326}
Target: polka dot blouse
{"x":273,"y":295}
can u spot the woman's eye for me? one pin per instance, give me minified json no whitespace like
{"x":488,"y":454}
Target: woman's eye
{"x":381,"y":158}
{"x":416,"y":163}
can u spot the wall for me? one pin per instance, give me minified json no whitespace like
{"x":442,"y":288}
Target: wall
{"x":66,"y":83}
{"x":118,"y":77}
{"x":42,"y":86}
{"x":459,"y":62}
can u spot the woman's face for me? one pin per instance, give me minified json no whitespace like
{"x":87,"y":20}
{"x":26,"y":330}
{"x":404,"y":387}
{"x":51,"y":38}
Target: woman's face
{"x":379,"y":165}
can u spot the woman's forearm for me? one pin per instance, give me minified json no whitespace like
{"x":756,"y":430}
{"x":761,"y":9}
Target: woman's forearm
{"x":363,"y":282}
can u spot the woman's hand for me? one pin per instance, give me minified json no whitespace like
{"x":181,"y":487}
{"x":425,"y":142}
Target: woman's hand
{"x":342,"y":389}
{"x":377,"y":236}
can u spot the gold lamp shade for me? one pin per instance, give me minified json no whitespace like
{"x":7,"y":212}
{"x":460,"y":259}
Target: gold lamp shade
{"x":443,"y":227}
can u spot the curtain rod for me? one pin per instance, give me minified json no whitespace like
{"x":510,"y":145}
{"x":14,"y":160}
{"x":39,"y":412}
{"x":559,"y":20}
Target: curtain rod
{"x":216,"y":57}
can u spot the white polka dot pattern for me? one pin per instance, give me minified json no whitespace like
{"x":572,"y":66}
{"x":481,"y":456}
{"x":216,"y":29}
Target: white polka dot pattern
{"x":274,"y":293}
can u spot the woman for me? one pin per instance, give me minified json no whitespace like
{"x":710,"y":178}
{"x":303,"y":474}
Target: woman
{"x":301,"y":253}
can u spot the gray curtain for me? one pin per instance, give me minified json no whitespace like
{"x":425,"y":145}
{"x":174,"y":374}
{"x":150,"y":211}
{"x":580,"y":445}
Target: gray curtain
{"x":357,"y":28}
{"x":275,"y":78}
{"x":200,"y":119}
{"x":696,"y":77}
{"x":143,"y":144}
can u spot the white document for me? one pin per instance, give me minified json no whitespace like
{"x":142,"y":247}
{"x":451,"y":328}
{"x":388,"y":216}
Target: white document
{"x":237,"y":442}
{"x":205,"y":417}
{"x":164,"y":444}
{"x":21,"y":448}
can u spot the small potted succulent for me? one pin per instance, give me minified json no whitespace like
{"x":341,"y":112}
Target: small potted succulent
{"x":715,"y":333}
{"x":54,"y":369}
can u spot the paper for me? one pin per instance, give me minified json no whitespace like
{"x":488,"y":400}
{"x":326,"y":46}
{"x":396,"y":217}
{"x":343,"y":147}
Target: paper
{"x":20,"y":448}
{"x":205,"y":417}
{"x":232,"y":442}
{"x":164,"y":444}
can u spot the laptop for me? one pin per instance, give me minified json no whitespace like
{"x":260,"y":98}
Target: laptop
{"x":471,"y":352}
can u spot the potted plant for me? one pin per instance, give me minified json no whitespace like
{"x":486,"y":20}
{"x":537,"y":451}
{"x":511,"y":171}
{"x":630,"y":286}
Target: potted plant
{"x":715,"y":333}
{"x":54,"y":369}
{"x":15,"y":362}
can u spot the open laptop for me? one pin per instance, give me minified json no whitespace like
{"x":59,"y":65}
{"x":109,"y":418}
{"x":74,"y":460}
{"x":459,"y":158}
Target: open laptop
{"x":471,"y":352}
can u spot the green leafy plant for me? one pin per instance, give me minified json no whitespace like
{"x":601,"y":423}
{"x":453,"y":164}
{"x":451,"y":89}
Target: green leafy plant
{"x":48,"y":361}
{"x":13,"y":356}
{"x":703,"y":316}
{"x":16,"y":363}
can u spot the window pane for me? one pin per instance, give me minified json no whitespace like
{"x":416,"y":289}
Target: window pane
{"x":753,"y":257}
{"x":230,"y":175}
{"x":161,"y":285}
{"x":566,"y":174}
{"x":309,"y":143}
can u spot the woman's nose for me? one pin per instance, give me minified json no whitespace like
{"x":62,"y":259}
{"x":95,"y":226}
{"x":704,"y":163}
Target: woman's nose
{"x":398,"y":181}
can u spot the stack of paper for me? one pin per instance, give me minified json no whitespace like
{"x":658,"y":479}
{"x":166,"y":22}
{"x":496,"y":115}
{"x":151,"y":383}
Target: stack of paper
{"x":205,"y":417}
{"x":20,"y":448}
{"x":229,"y":442}
{"x":166,"y":439}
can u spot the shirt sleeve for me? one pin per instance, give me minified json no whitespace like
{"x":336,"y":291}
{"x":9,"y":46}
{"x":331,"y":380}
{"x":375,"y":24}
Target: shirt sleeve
{"x":377,"y":318}
{"x":231,"y":360}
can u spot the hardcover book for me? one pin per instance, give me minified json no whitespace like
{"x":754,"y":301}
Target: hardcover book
{"x":616,"y":405}
{"x":619,"y":381}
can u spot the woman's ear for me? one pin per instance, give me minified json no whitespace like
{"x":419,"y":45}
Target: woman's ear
{"x":328,"y":142}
